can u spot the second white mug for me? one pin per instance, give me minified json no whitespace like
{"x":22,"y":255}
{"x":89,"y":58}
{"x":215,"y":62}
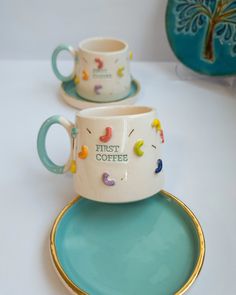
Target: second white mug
{"x":102,"y":69}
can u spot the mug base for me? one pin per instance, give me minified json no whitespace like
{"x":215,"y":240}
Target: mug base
{"x":70,"y":96}
{"x":122,"y":194}
{"x":103,"y":98}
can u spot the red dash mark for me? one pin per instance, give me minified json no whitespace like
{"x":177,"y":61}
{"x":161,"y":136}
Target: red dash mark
{"x":162,"y":136}
{"x":107,"y":136}
{"x":99,"y":63}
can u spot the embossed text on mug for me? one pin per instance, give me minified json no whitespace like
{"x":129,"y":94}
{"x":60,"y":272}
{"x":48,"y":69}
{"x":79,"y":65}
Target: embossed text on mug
{"x":110,"y":153}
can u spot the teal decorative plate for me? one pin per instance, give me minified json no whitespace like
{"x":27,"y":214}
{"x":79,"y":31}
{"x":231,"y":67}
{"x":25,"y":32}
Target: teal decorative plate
{"x":154,"y":246}
{"x":202,"y":34}
{"x":70,"y":96}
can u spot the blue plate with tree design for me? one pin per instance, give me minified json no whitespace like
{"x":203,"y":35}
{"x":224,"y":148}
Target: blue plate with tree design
{"x":202,"y":34}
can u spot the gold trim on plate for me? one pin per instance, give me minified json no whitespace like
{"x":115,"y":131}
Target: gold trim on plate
{"x":79,"y":291}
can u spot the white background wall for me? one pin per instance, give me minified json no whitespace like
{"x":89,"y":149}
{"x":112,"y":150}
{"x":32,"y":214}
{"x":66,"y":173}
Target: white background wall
{"x":31,"y":29}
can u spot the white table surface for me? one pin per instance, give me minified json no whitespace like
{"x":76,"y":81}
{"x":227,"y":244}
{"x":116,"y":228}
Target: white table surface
{"x":199,"y":120}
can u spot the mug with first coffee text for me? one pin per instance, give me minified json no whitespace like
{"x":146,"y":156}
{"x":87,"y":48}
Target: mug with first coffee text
{"x":115,"y":152}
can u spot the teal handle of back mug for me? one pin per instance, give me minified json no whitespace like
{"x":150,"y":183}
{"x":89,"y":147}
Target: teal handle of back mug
{"x":41,"y":144}
{"x":72,"y":51}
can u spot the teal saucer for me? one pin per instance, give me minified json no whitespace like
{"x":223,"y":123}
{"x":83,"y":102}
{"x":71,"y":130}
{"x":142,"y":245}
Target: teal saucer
{"x":70,"y":96}
{"x":154,"y":246}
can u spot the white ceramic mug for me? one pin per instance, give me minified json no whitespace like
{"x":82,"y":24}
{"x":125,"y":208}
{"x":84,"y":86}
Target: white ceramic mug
{"x":115,"y":152}
{"x":102,"y":71}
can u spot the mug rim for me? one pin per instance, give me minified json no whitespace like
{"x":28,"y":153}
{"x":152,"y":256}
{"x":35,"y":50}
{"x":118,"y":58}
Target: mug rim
{"x":83,"y":42}
{"x":114,"y":112}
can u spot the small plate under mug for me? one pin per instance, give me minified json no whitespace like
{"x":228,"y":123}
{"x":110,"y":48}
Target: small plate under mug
{"x":154,"y":246}
{"x":71,"y":97}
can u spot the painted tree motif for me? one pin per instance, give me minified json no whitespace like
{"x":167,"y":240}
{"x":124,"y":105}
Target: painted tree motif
{"x":218,"y":17}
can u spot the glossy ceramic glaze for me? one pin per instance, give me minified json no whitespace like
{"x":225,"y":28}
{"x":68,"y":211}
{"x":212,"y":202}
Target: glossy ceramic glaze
{"x":102,"y":71}
{"x":70,"y":96}
{"x":202,"y":34}
{"x":114,"y":150}
{"x":154,"y":246}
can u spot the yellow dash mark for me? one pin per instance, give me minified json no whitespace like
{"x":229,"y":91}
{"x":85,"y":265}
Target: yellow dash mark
{"x":120,"y":71}
{"x":73,"y":167}
{"x":85,"y":75}
{"x":76,"y":79}
{"x":156,"y":124}
{"x":137,"y":148}
{"x":83,"y":154}
{"x":131,"y":55}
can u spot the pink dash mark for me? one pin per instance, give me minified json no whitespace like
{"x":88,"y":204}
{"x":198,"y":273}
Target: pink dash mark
{"x":106,"y":180}
{"x":99,"y":63}
{"x":162,"y":136}
{"x":97,"y":89}
{"x":107,"y":136}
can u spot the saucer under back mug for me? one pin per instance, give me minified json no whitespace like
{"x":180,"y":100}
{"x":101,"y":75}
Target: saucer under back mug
{"x":101,"y":72}
{"x":115,"y":152}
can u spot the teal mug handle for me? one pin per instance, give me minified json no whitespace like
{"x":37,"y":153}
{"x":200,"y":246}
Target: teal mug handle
{"x":41,"y":144}
{"x":55,"y":54}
